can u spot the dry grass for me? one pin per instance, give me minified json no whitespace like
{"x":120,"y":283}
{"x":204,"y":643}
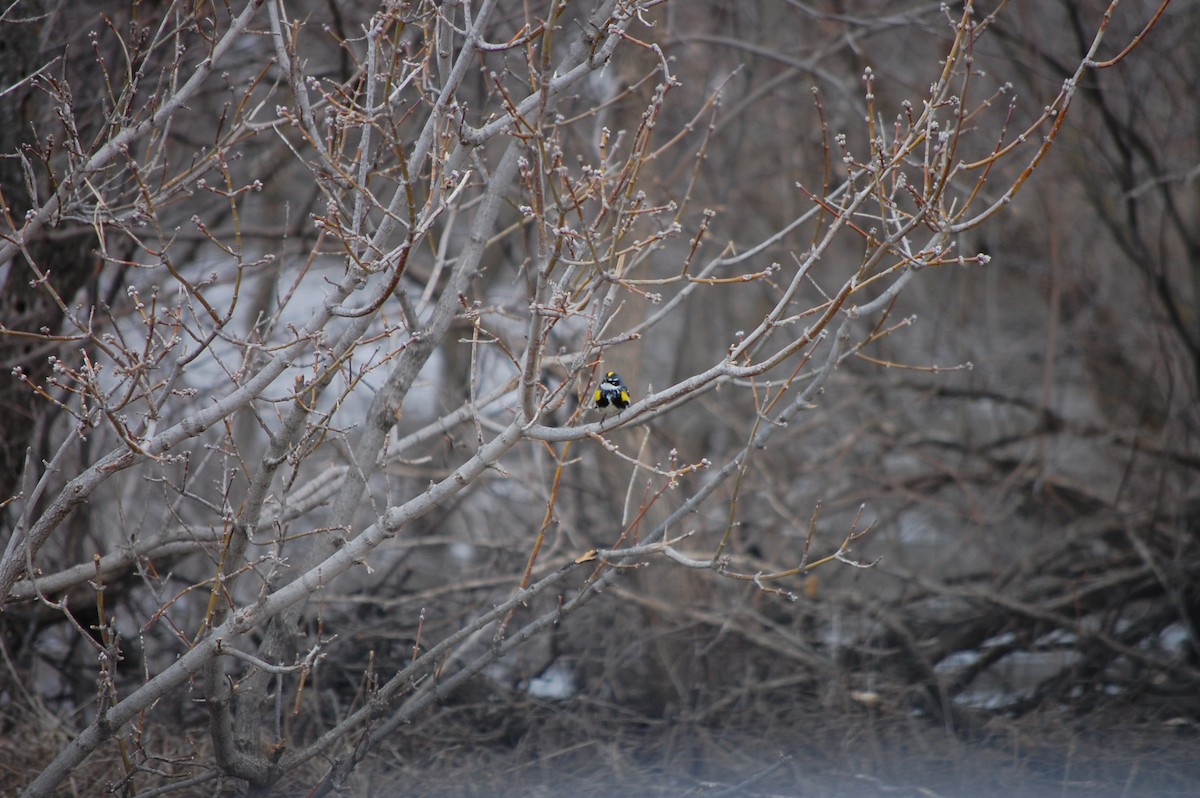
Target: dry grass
{"x":785,"y":744}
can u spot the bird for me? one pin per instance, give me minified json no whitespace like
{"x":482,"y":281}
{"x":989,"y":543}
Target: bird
{"x":611,"y":396}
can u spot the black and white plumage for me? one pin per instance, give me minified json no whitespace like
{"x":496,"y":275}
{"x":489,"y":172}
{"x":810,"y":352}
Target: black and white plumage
{"x":611,"y":396}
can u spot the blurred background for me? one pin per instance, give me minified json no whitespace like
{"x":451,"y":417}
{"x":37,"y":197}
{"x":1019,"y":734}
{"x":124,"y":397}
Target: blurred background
{"x":1022,"y":447}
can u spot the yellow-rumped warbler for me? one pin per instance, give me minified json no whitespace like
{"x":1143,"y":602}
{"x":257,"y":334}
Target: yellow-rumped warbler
{"x":611,"y":396}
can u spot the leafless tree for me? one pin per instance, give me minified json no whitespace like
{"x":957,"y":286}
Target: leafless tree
{"x":305,"y":305}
